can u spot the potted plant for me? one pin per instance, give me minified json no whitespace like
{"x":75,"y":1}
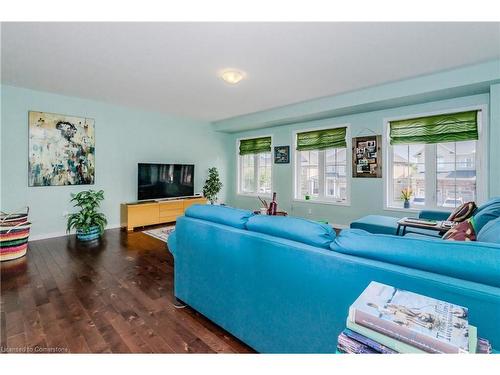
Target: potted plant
{"x":88,"y":222}
{"x":213,"y":185}
{"x":406,"y":194}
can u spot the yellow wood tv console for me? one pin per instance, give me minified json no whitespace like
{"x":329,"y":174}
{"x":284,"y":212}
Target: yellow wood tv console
{"x":141,"y":214}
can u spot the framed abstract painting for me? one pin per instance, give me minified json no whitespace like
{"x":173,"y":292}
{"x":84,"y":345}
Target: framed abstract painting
{"x":61,"y":150}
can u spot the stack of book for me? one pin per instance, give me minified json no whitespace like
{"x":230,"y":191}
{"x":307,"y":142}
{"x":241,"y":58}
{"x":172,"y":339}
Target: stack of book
{"x":386,"y":320}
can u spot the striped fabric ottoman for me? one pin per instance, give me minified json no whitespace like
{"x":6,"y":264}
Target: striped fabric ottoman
{"x":14,"y":234}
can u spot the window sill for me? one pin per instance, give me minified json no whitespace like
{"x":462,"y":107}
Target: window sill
{"x":326,"y":202}
{"x":402,"y":209}
{"x":416,"y":210}
{"x":254,"y":195}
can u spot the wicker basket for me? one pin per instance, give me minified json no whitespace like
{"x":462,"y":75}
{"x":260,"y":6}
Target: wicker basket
{"x":14,"y":234}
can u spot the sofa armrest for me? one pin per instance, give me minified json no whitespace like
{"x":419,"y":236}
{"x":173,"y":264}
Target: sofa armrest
{"x":433,"y":215}
{"x":172,"y":243}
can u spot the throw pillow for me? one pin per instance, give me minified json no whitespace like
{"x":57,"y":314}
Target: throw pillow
{"x":463,"y":212}
{"x":463,"y":231}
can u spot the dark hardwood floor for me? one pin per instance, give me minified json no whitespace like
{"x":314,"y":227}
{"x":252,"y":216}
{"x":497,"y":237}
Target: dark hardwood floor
{"x":114,"y":297}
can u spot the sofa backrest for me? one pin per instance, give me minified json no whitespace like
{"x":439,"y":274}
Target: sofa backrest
{"x":234,"y":217}
{"x":473,"y":261}
{"x":292,"y":228}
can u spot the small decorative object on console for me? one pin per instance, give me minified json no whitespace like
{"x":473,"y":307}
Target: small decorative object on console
{"x":265,"y":207}
{"x":273,"y":206}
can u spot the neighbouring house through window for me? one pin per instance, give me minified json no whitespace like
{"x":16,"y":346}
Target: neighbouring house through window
{"x":321,"y":165}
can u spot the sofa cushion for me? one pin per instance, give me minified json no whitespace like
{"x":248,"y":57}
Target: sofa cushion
{"x":292,"y":228}
{"x":233,"y":217}
{"x":377,"y":224}
{"x":473,"y":261}
{"x":486,"y":212}
{"x":462,"y":212}
{"x":463,"y":231}
{"x":490,"y":232}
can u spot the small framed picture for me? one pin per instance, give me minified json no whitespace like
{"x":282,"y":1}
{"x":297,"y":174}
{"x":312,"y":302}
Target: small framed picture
{"x":281,"y":154}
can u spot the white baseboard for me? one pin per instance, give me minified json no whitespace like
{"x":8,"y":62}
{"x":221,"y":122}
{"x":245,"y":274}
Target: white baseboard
{"x":44,"y":236}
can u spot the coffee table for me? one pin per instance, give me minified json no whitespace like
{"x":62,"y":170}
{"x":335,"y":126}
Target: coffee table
{"x":437,"y":226}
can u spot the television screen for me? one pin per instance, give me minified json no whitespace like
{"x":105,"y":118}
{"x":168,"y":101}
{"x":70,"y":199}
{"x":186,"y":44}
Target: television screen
{"x":158,"y":181}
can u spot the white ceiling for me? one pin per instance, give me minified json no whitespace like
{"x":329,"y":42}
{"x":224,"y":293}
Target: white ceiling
{"x":172,"y":67}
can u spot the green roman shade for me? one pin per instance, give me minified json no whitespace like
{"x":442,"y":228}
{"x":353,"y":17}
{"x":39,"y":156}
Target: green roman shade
{"x":451,"y":127}
{"x":255,"y":145}
{"x":322,"y":139}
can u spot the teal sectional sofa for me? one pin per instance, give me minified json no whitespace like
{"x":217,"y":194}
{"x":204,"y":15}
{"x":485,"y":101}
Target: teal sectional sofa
{"x":284,"y":285}
{"x":379,"y":224}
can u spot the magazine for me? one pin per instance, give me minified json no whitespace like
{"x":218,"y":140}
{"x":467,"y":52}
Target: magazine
{"x":348,"y":345}
{"x":387,"y":341}
{"x":426,"y":323}
{"x":483,"y":346}
{"x":400,"y":347}
{"x":368,"y":342}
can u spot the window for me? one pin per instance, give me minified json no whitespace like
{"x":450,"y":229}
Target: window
{"x":255,"y":166}
{"x":321,"y":166}
{"x":308,"y":173}
{"x":408,"y":170}
{"x":437,"y":158}
{"x":456,"y":173}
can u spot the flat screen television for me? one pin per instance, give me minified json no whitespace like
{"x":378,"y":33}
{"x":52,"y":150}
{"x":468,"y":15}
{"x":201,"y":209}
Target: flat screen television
{"x":159,"y":181}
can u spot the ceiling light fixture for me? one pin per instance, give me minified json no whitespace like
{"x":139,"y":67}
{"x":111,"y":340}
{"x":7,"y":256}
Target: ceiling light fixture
{"x":232,"y":76}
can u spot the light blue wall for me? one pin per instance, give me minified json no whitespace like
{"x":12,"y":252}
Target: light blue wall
{"x":366,"y":193}
{"x":495,"y":140}
{"x":124,"y":137}
{"x":365,"y":110}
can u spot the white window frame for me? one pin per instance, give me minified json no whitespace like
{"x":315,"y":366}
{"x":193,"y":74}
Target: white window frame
{"x":321,"y":167}
{"x":256,"y":168}
{"x":482,"y":185}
